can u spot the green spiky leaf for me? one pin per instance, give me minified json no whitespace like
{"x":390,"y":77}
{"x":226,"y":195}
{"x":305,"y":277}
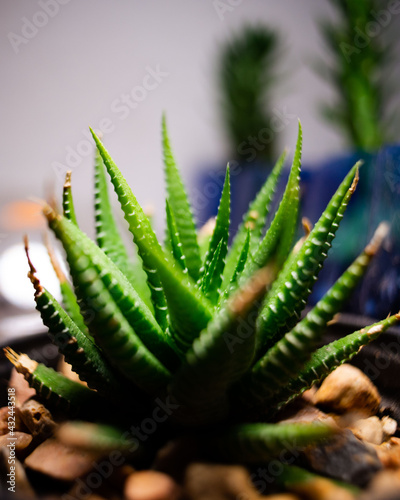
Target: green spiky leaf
{"x":175,"y":240}
{"x":253,"y":221}
{"x":68,"y":202}
{"x":278,"y":238}
{"x":109,"y":239}
{"x":220,"y":234}
{"x":261,"y":442}
{"x":180,"y":207}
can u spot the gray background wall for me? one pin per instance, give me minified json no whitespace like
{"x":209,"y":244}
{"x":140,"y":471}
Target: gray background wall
{"x":73,"y":70}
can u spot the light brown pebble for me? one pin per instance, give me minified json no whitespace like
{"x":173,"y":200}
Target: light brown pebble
{"x":37,"y":419}
{"x":321,"y":489}
{"x":22,"y":390}
{"x":20,"y":440}
{"x":23,"y":488}
{"x":7,"y":417}
{"x":389,"y":427}
{"x":368,"y":429}
{"x":151,"y":485}
{"x":385,"y":485}
{"x":219,"y":482}
{"x":282,"y":496}
{"x":389,"y":453}
{"x":56,"y":460}
{"x":173,"y":457}
{"x":309,"y":394}
{"x":302,"y":411}
{"x":348,"y":389}
{"x":4,"y":420}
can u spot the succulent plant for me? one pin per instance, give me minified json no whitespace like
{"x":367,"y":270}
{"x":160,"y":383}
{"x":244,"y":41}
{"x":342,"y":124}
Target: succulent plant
{"x":213,"y":333}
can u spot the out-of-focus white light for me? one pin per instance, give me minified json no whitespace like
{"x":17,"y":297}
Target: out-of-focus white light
{"x":15,"y":286}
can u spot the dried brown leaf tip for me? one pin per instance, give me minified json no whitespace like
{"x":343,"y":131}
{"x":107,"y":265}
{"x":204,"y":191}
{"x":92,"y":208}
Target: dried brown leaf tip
{"x":355,"y":180}
{"x":67,"y":183}
{"x":32,"y":270}
{"x":251,"y":292}
{"x":22,"y":362}
{"x":53,"y":259}
{"x":307,"y":226}
{"x":379,"y":236}
{"x":49,"y":212}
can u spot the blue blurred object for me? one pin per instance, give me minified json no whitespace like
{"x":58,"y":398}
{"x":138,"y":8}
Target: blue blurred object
{"x":376,"y":199}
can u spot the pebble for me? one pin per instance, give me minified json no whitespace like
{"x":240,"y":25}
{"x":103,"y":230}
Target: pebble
{"x":23,"y":488}
{"x":151,"y":485}
{"x":173,"y":457}
{"x":384,"y":486}
{"x":389,"y":427}
{"x":302,"y":411}
{"x":368,"y":429}
{"x":22,"y":390}
{"x":60,"y":462}
{"x":4,"y":425}
{"x":348,"y":389}
{"x":282,"y":496}
{"x":21,"y":440}
{"x":344,"y":457}
{"x":389,"y":453}
{"x":321,"y":489}
{"x":4,"y":420}
{"x":219,"y":482}
{"x":37,"y":419}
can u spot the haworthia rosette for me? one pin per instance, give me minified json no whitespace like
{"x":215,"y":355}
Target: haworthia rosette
{"x":188,"y":310}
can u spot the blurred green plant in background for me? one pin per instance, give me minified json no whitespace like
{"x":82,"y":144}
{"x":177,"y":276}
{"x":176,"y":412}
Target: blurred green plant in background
{"x":246,"y":77}
{"x":361,"y":45}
